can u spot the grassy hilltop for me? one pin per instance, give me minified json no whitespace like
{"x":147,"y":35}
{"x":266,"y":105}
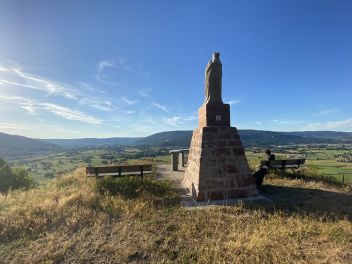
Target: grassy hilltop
{"x":73,"y":219}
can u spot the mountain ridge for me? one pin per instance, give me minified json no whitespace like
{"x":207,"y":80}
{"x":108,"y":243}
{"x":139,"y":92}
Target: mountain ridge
{"x":11,"y":145}
{"x":250,"y":138}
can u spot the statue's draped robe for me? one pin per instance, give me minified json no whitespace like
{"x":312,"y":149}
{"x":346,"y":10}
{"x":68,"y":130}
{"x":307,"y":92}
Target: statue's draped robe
{"x":213,"y":75}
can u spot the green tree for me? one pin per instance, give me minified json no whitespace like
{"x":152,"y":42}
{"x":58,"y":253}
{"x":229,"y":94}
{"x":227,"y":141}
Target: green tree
{"x":14,"y":178}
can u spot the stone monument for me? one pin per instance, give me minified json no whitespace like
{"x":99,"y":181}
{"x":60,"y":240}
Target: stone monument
{"x":217,"y":166}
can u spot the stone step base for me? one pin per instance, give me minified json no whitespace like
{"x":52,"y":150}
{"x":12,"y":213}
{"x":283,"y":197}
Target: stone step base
{"x":217,"y":166}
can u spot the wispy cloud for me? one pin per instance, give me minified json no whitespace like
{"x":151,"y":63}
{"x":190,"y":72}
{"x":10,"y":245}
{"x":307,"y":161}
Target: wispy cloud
{"x":179,"y":120}
{"x":14,"y":126}
{"x":325,"y":112}
{"x":105,"y":64}
{"x":124,"y":65}
{"x":21,"y":102}
{"x":128,"y":101}
{"x":103,"y":105}
{"x":258,"y":122}
{"x":149,"y":120}
{"x":17,"y":77}
{"x":105,"y":76}
{"x":288,"y":122}
{"x":144,"y":92}
{"x":299,"y":125}
{"x":35,"y":130}
{"x":114,"y":72}
{"x":340,"y":125}
{"x":88,"y":87}
{"x":173,"y":121}
{"x":162,"y":107}
{"x":102,"y":76}
{"x":65,"y":112}
{"x":189,"y":118}
{"x":233,"y":102}
{"x":70,"y":114}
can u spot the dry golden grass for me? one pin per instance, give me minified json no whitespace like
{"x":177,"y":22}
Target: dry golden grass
{"x":74,"y":220}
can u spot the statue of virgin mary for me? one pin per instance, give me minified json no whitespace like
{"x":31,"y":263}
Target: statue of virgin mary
{"x":213,"y":76}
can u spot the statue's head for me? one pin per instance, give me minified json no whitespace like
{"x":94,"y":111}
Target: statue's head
{"x":216,"y":56}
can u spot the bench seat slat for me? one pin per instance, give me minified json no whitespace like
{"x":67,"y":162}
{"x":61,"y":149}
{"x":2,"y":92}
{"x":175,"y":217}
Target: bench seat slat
{"x":286,"y":166}
{"x":119,"y":169}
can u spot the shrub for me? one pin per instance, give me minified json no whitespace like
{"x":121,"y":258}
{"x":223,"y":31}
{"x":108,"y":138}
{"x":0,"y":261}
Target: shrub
{"x":14,"y":178}
{"x":49,"y":175}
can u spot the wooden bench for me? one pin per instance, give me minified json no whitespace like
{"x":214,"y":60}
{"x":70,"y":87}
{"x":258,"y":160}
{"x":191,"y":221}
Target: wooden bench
{"x":118,"y":171}
{"x":266,"y":165}
{"x":282,"y":164}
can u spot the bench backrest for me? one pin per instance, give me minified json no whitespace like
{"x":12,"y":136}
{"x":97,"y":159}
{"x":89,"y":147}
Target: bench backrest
{"x":119,"y":169}
{"x":281,"y":164}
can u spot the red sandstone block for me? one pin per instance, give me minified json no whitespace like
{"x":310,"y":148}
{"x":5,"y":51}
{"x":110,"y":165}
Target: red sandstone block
{"x":232,"y":184}
{"x":245,"y":193}
{"x":249,"y":180}
{"x":221,"y":143}
{"x":231,"y":143}
{"x":210,"y":129}
{"x":200,"y":197}
{"x":240,"y":181}
{"x":209,"y":137}
{"x":225,"y":136}
{"x":237,"y":142}
{"x":238,"y":151}
{"x":233,"y":194}
{"x":236,"y":136}
{"x":232,"y":169}
{"x":225,"y":129}
{"x":216,"y":195}
{"x":222,"y":151}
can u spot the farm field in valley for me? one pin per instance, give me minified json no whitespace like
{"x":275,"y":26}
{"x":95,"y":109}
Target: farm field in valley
{"x":323,"y":159}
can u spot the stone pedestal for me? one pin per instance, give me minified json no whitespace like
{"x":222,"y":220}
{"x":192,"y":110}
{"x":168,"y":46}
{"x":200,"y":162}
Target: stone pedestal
{"x":217,"y":166}
{"x":214,"y":114}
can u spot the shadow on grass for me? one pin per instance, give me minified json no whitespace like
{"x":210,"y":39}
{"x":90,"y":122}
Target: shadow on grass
{"x":319,"y":203}
{"x":307,"y":174}
{"x":159,"y":192}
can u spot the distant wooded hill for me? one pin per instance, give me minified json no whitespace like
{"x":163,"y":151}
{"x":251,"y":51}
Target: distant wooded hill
{"x":12,"y":145}
{"x":252,"y":138}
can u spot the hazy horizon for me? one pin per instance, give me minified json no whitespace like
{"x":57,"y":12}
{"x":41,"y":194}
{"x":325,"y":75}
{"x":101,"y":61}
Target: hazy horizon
{"x":68,"y":138}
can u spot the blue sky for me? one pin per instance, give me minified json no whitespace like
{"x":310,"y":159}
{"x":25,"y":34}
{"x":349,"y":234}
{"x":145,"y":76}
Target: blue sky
{"x":71,"y":69}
